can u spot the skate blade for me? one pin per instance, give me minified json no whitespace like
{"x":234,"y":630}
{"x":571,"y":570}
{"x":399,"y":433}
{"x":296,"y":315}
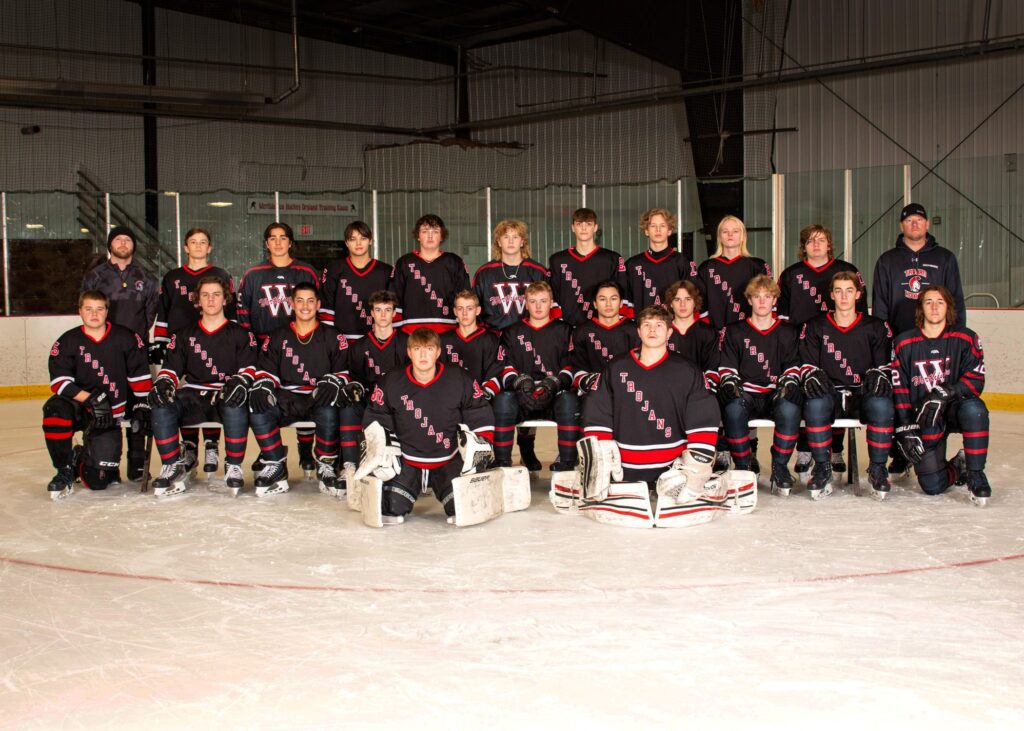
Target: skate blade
{"x":56,"y":495}
{"x":780,"y":491}
{"x":235,"y":491}
{"x":277,"y":488}
{"x":820,"y":494}
{"x":979,"y":502}
{"x":177,"y":488}
{"x":308,"y":474}
{"x":392,"y":519}
{"x":879,"y":495}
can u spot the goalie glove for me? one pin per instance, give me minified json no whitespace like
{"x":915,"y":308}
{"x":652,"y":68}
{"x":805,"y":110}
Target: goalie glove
{"x":262,"y":396}
{"x":235,"y":390}
{"x":600,"y":463}
{"x":327,"y":391}
{"x":684,"y":481}
{"x":730,"y":388}
{"x":380,"y":454}
{"x":99,"y":406}
{"x":877,"y":382}
{"x":476,"y":451}
{"x":352,"y":393}
{"x":933,"y":411}
{"x":589,"y":382}
{"x":817,"y":384}
{"x":524,"y":387}
{"x":909,"y":439}
{"x":787,"y":388}
{"x":162,"y":392}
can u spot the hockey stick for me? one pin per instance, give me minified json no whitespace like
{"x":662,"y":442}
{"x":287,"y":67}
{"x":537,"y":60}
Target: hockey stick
{"x":144,"y":487}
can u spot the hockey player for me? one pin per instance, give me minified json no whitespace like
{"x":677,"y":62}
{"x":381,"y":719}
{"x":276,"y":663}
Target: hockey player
{"x":938,"y":377}
{"x":349,"y":282}
{"x":370,"y":357}
{"x":759,"y":377}
{"x":421,"y":407}
{"x":427,"y":279}
{"x":536,"y":382}
{"x":175,"y":310}
{"x":577,"y":270}
{"x":301,"y":372}
{"x":651,"y":272}
{"x":473,"y":347}
{"x":205,"y":377}
{"x":132,"y":294}
{"x":804,"y":293}
{"x":601,"y":338}
{"x":501,"y":283}
{"x":92,"y":370}
{"x":845,"y":356}
{"x":689,"y":336}
{"x":723,"y":278}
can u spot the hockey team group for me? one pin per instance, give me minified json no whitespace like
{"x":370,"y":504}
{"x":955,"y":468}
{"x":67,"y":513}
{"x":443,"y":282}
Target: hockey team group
{"x":412,"y":378}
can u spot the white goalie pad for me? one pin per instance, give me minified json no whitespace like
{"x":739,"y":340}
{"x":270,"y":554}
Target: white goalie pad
{"x":354,"y":494}
{"x":741,"y":493}
{"x":371,"y":490}
{"x":484,"y":496}
{"x":734,"y":491}
{"x":685,"y":480}
{"x":476,"y":452}
{"x":599,"y":464}
{"x":381,"y":455}
{"x":565,"y":490}
{"x":625,"y":503}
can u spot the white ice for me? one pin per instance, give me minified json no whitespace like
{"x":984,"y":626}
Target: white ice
{"x":118,"y":610}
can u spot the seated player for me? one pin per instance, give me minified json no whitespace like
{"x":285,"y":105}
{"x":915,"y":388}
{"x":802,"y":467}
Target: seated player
{"x":369,"y":358}
{"x":205,"y":378}
{"x":690,"y":336}
{"x":846,"y":356}
{"x":601,"y":338}
{"x":301,"y":371}
{"x":759,"y":377}
{"x":536,"y":382}
{"x":651,"y":272}
{"x":92,"y":369}
{"x":473,"y":347}
{"x":938,"y":377}
{"x":421,"y":407}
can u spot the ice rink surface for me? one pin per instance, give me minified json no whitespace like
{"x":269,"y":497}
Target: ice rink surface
{"x":206,"y":611}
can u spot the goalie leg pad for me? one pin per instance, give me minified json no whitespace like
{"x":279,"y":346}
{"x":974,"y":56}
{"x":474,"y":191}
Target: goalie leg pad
{"x":627,"y":504}
{"x":741,"y":493}
{"x":599,"y":464}
{"x":371,"y":500}
{"x":711,"y":503}
{"x":565,"y":491}
{"x":354,"y":494}
{"x":486,"y":495}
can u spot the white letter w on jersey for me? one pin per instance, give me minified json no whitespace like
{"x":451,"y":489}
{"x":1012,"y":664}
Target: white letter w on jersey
{"x":508,"y":295}
{"x":277,"y":295}
{"x":931,"y":372}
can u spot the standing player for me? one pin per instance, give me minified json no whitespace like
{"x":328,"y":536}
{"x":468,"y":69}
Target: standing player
{"x":536,"y":382}
{"x":473,"y":347}
{"x":301,"y":371}
{"x":175,"y":310}
{"x":92,"y":370}
{"x":601,"y":338}
{"x":501,"y":283}
{"x":723,"y":278}
{"x":349,"y":282}
{"x":427,"y":279}
{"x":689,"y":336}
{"x":759,"y":377}
{"x":846,"y":356}
{"x":651,"y":272}
{"x":206,"y":375}
{"x":939,"y":374}
{"x":421,"y":407}
{"x":577,"y":270}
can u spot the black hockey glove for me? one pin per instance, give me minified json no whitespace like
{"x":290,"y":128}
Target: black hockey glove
{"x":235,"y":390}
{"x":524,"y":387}
{"x":156,"y":352}
{"x":817,"y":384}
{"x":142,"y":418}
{"x":730,"y":388}
{"x":352,"y":393}
{"x":99,"y":406}
{"x":877,"y":382}
{"x":933,"y":411}
{"x":787,"y":388}
{"x":589,"y":382}
{"x":546,"y":391}
{"x":162,"y":393}
{"x":327,"y":391}
{"x":909,"y":439}
{"x":262,"y":396}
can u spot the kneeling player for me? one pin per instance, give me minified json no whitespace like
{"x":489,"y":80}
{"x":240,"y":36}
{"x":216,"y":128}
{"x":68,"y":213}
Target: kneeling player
{"x":845,"y":357}
{"x":205,"y":378}
{"x":938,"y":377}
{"x":301,"y":372}
{"x":92,"y":369}
{"x":420,"y":408}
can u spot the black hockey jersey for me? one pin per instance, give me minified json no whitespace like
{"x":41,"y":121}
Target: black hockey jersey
{"x":296,"y":364}
{"x":263,"y":304}
{"x":650,"y":273}
{"x":204,"y":359}
{"x":574,"y":277}
{"x":594,"y":344}
{"x":699,"y":345}
{"x":175,"y":308}
{"x":133,"y":295}
{"x":805,"y":292}
{"x":116,"y":363}
{"x":536,"y":351}
{"x":479,"y":354}
{"x":721,"y":282}
{"x":426,"y":416}
{"x":954,"y":360}
{"x":651,"y":422}
{"x":502,"y":290}
{"x":759,"y":357}
{"x":345,"y":292}
{"x":426,"y":290}
{"x":845,"y":353}
{"x":369,"y":358}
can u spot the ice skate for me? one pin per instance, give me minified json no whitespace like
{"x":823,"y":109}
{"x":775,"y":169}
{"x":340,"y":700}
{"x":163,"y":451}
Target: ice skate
{"x":782,"y":480}
{"x":977,"y":484}
{"x":62,"y":484}
{"x":820,"y":485}
{"x":878,"y":476}
{"x":803,"y":463}
{"x":172,"y":479}
{"x":721,"y":462}
{"x":272,"y":479}
{"x":838,"y":462}
{"x":211,"y":458}
{"x":189,"y":456}
{"x":233,"y":478}
{"x":560,"y":466}
{"x":327,"y":478}
{"x":959,"y":467}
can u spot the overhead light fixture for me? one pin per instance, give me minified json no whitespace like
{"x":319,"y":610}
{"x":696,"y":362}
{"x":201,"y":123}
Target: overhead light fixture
{"x":220,"y":204}
{"x":33,"y":225}
{"x":84,"y":230}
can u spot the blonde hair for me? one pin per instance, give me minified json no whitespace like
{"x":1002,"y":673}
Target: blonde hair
{"x":646,"y":216}
{"x":744,"y":251}
{"x":504,"y":226}
{"x":761,"y":282}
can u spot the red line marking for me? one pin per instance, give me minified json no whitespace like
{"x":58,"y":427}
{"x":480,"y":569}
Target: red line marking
{"x":527,"y":590}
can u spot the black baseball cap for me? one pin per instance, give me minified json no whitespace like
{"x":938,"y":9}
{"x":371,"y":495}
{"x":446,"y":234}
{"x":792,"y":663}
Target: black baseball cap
{"x":913,"y":209}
